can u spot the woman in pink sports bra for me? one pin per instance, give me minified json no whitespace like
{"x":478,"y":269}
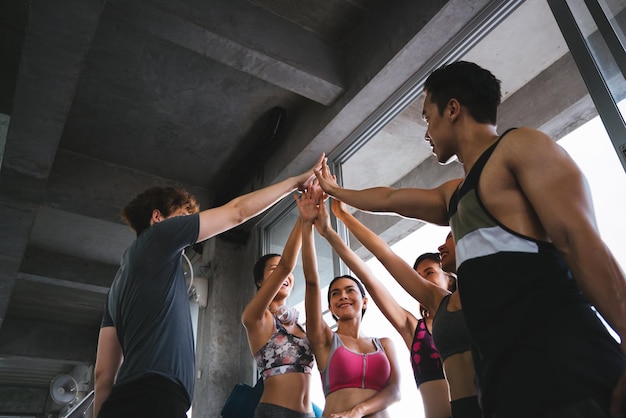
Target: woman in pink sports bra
{"x":279,"y":345}
{"x":360,"y":374}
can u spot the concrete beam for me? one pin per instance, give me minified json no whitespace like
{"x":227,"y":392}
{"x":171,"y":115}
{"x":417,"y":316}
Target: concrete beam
{"x":39,"y":341}
{"x":59,"y":268}
{"x":58,"y":36}
{"x":291,"y":59}
{"x":364,"y":96}
{"x":555,"y":101}
{"x":98,"y":189}
{"x":21,"y":400}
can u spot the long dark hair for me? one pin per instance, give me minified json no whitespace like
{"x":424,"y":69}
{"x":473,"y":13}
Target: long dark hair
{"x":259,"y":268}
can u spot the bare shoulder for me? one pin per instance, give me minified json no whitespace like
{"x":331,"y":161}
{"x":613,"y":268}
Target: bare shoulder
{"x":386,"y":342}
{"x":524,"y":143}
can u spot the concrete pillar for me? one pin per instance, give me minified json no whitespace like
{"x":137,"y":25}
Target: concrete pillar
{"x":223,"y":358}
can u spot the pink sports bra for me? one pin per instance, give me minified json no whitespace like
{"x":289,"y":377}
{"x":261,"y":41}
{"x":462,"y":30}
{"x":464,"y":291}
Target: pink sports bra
{"x":347,"y":369}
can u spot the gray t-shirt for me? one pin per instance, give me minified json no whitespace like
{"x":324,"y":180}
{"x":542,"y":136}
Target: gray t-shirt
{"x":149,"y":306}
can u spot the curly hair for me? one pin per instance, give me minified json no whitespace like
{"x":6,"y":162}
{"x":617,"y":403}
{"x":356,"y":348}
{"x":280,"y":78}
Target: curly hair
{"x":167,"y":200}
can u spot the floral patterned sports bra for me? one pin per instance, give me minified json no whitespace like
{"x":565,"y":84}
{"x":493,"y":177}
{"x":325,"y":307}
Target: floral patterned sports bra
{"x":284,"y":353}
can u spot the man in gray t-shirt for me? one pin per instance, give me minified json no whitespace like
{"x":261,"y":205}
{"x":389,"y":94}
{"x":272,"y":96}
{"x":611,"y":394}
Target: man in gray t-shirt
{"x":145,"y":361}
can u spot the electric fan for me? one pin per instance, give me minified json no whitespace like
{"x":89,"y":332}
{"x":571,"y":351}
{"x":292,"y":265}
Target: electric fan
{"x":63,"y":389}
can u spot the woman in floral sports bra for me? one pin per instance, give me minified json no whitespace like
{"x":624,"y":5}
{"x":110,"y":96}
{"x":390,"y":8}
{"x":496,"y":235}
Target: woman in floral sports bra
{"x":360,"y":375}
{"x":279,"y":344}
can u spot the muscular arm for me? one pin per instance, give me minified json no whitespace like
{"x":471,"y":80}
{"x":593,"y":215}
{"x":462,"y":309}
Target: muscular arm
{"x":256,"y":318}
{"x":217,"y":220}
{"x":108,"y":361}
{"x":426,"y":293}
{"x":559,"y":195}
{"x":429,"y":205}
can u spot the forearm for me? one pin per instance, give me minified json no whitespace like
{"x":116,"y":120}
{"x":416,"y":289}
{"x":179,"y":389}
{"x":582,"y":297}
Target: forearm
{"x":403,"y":273}
{"x":289,"y":257}
{"x":375,"y":199}
{"x":102,"y":390}
{"x":312,"y":296}
{"x":379,"y":402}
{"x":309,"y":262}
{"x":253,"y":203}
{"x":376,"y":245}
{"x":602,"y":281}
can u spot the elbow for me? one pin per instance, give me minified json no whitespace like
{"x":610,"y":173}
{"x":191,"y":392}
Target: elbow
{"x":398,"y":396}
{"x":98,"y":377}
{"x":282,"y":269}
{"x":103,"y":378}
{"x":240,"y":210}
{"x":394,"y":394}
{"x":239,"y":214}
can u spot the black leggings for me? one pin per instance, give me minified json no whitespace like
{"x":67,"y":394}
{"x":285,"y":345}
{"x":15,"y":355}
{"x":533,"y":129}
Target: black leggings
{"x":268,"y":410}
{"x":465,"y":408}
{"x":150,"y":396}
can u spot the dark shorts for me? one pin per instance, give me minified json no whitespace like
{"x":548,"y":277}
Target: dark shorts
{"x":268,"y":410}
{"x":150,"y":396}
{"x":465,"y":408}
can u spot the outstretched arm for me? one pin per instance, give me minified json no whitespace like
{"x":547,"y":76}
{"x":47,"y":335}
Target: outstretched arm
{"x":217,"y":220}
{"x":426,"y":293}
{"x":389,"y":395}
{"x":421,"y":289}
{"x":317,"y":330}
{"x":429,"y":205}
{"x":256,"y":318}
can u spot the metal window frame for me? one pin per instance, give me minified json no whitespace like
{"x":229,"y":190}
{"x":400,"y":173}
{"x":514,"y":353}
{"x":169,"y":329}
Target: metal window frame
{"x":592,"y":76}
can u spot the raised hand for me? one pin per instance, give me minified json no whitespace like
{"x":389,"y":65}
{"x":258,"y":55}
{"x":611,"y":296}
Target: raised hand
{"x":322,"y":223}
{"x":326,"y":180}
{"x":306,"y":179}
{"x":308,"y":204}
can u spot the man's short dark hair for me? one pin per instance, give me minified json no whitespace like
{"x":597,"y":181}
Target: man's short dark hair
{"x":473,"y":86}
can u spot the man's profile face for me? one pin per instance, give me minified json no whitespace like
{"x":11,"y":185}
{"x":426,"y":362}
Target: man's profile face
{"x":438,"y":130}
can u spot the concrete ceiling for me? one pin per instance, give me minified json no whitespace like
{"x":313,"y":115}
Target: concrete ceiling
{"x":107,"y":98}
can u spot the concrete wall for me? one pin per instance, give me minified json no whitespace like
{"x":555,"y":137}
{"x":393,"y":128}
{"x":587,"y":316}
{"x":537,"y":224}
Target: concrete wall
{"x":223,"y":358}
